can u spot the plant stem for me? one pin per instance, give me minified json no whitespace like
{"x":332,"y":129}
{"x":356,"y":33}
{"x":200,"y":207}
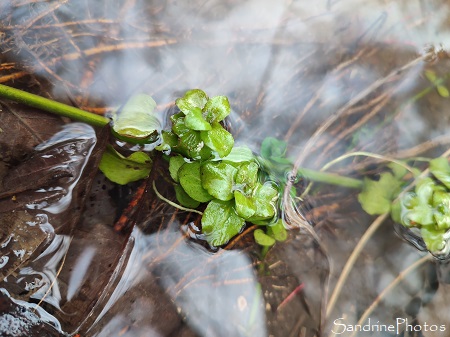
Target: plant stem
{"x":330,"y":178}
{"x":52,"y":106}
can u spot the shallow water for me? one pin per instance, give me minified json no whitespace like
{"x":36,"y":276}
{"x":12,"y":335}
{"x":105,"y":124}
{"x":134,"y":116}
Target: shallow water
{"x":330,"y":77}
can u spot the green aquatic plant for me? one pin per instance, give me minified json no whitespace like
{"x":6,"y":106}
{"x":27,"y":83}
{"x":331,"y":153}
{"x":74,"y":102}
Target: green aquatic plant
{"x":238,"y":186}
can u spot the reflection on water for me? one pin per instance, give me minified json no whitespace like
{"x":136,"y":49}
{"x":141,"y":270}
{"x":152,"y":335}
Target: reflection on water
{"x":217,"y":295}
{"x":330,"y":77}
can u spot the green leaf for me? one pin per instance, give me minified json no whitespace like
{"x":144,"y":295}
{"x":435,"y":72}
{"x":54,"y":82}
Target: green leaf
{"x":265,"y":197}
{"x":192,"y":144}
{"x":273,"y":147}
{"x":179,"y":124}
{"x":194,"y":98}
{"x":216,"y":109}
{"x":123,"y":170}
{"x":440,"y":168}
{"x":376,"y":196}
{"x":440,"y":197}
{"x":218,"y":139}
{"x":168,"y":140}
{"x":190,"y":180}
{"x":239,"y":154}
{"x":218,"y":179}
{"x":245,"y":206}
{"x":194,"y":120}
{"x":431,"y":75}
{"x":424,"y":190}
{"x":263,"y":239}
{"x":137,"y":120}
{"x":443,"y":91}
{"x":247,"y":174}
{"x":434,"y":239}
{"x":174,"y":165}
{"x":397,"y":170}
{"x":220,"y":222}
{"x":277,"y":231}
{"x":422,"y":214}
{"x":184,"y":199}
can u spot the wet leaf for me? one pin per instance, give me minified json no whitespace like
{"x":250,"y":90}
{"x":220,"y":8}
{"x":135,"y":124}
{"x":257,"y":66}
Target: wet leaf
{"x":216,"y":109}
{"x":218,"y":139}
{"x":265,"y":196}
{"x":24,"y":320}
{"x":376,"y":196}
{"x":184,"y":199}
{"x":239,"y":154}
{"x":220,"y":222}
{"x":175,"y":163}
{"x":22,"y":128}
{"x":273,"y":148}
{"x":195,"y":121}
{"x":190,"y":180}
{"x":247,"y":174}
{"x":245,"y":205}
{"x":218,"y":180}
{"x":137,"y":120}
{"x":440,"y":168}
{"x":123,"y":170}
{"x":36,"y":212}
{"x":192,"y":99}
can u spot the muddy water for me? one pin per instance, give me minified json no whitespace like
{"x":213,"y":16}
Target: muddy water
{"x":330,"y":77}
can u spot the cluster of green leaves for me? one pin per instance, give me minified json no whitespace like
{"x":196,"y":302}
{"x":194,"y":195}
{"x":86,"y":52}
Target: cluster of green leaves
{"x":204,"y":164}
{"x":428,"y":207}
{"x":207,"y":170}
{"x":196,"y":132}
{"x":232,"y":189}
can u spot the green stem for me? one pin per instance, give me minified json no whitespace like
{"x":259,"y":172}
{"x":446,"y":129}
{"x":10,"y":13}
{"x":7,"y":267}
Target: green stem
{"x":330,"y":178}
{"x":52,"y":106}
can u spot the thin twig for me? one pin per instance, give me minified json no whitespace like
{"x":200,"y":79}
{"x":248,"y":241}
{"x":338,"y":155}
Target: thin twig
{"x":391,"y":286}
{"x":56,"y":276}
{"x":173,"y":204}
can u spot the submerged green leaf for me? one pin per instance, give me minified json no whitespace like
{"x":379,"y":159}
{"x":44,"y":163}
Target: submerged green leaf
{"x":137,"y":120}
{"x":376,"y":196}
{"x":190,"y":180}
{"x":218,"y":139}
{"x":220,"y":222}
{"x":123,"y":170}
{"x":218,"y":179}
{"x":273,"y":148}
